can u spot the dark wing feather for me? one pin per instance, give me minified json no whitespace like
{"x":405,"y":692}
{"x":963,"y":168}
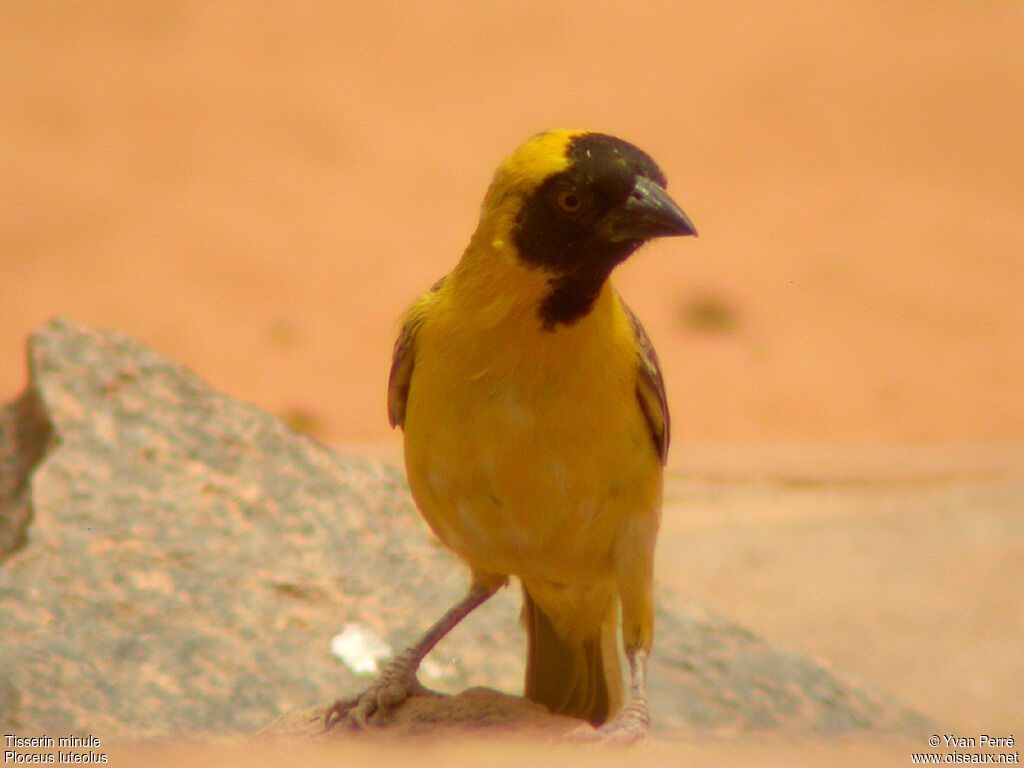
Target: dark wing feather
{"x":401,"y":374}
{"x":650,"y":387}
{"x":402,"y":359}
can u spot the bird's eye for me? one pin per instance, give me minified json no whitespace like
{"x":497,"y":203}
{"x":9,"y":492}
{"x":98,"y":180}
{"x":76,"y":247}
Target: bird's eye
{"x":568,"y":201}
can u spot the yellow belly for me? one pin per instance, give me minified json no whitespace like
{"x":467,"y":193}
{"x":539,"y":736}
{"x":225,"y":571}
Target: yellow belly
{"x":526,"y":450}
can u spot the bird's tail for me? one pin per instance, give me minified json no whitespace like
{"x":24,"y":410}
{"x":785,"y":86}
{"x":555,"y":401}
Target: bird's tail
{"x":576,"y":677}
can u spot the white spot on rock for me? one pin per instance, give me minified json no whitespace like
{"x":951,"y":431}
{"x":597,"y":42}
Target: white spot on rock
{"x":360,"y":649}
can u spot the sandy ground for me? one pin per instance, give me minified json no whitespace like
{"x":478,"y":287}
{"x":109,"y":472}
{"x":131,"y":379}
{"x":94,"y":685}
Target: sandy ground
{"x":258,"y":189}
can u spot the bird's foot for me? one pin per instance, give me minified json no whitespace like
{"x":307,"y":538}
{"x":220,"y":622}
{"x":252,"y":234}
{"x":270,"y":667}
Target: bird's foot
{"x":629,"y":727}
{"x":396,"y":683}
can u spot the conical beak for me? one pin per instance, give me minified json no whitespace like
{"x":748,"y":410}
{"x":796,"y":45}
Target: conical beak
{"x":647,"y":213}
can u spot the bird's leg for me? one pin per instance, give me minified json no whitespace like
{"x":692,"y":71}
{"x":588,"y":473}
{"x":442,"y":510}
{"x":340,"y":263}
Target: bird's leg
{"x":634,"y":575}
{"x":398,"y":680}
{"x":634,"y":719}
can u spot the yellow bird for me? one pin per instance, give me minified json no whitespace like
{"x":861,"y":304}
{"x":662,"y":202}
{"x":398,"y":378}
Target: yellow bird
{"x":536,"y":426}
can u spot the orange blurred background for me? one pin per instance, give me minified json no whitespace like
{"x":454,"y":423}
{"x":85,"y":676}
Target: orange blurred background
{"x":259,"y":189}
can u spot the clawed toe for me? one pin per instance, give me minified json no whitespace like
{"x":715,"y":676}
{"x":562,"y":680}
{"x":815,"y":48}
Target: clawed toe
{"x":357,"y":711}
{"x":337,"y":712}
{"x":628,"y":728}
{"x":396,"y":683}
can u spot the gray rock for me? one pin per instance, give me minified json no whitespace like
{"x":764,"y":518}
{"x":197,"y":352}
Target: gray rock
{"x":188,"y":559}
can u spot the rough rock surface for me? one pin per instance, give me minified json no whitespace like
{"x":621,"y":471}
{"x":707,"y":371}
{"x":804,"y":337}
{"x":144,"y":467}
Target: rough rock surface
{"x":188,"y":558}
{"x":473,"y":711}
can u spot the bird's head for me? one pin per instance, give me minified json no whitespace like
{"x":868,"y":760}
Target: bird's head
{"x":576,"y":204}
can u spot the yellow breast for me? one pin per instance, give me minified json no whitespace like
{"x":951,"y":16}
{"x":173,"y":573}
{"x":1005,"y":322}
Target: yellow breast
{"x":526,"y":449}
